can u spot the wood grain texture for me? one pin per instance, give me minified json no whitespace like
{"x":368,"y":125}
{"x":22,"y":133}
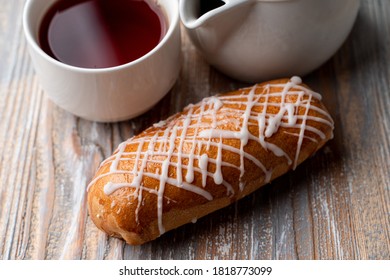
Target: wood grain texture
{"x":336,"y":205}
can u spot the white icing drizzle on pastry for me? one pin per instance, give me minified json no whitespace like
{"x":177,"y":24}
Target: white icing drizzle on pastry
{"x":207,"y":131}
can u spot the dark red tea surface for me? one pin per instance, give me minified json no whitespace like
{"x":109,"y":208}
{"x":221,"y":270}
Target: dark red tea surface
{"x":101,"y":33}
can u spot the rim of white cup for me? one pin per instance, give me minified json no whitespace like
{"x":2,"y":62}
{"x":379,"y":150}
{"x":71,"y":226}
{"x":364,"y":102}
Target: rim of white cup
{"x":172,"y":22}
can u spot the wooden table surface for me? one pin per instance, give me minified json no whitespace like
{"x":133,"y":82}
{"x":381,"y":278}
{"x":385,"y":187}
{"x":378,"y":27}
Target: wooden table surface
{"x":336,"y":205}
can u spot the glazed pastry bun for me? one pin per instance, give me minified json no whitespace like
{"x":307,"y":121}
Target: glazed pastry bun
{"x":206,"y":157}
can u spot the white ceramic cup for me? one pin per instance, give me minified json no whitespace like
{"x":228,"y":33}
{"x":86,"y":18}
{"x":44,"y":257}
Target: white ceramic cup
{"x":107,"y":94}
{"x":257,"y":40}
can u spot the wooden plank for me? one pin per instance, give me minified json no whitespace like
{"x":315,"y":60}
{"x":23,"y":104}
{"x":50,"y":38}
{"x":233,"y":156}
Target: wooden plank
{"x":334,"y":206}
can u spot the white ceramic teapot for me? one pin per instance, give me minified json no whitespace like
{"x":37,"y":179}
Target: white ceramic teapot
{"x":256,"y":40}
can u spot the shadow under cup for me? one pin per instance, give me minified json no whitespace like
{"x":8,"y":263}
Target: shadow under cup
{"x":106,"y":94}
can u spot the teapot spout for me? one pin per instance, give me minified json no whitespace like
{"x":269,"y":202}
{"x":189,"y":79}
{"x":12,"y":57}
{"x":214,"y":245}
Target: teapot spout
{"x":195,"y":13}
{"x":211,"y":23}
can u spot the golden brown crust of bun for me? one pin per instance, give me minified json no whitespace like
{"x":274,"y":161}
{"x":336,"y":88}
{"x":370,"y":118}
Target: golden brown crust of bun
{"x":205,"y":158}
